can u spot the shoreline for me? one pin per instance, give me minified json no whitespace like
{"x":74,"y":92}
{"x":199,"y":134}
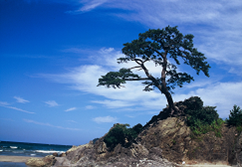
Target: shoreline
{"x":7,"y":158}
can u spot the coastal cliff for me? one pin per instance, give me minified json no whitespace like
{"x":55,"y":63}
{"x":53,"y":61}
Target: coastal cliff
{"x":163,"y":141}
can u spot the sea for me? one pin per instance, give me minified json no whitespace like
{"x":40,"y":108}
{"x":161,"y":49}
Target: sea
{"x":9,"y":148}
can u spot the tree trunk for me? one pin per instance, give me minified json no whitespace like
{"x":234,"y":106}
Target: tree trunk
{"x":170,"y":102}
{"x":164,"y":88}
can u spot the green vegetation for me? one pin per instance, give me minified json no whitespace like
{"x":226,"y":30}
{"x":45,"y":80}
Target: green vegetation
{"x":202,"y":119}
{"x":235,"y":118}
{"x":120,"y":134}
{"x":167,"y":48}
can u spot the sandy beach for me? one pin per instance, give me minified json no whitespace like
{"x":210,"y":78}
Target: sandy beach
{"x":15,"y":158}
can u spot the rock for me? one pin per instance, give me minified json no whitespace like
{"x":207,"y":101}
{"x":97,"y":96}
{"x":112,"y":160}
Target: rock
{"x":47,"y":161}
{"x":237,"y":160}
{"x":164,"y":141}
{"x":35,"y":162}
{"x":55,"y":154}
{"x":62,"y":155}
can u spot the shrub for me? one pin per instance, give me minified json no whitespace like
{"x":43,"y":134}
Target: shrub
{"x":120,"y":134}
{"x":235,"y":117}
{"x":193,"y":103}
{"x":203,"y":116}
{"x":202,"y":119}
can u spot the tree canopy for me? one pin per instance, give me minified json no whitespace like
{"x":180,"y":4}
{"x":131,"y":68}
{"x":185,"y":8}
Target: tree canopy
{"x":165,"y":47}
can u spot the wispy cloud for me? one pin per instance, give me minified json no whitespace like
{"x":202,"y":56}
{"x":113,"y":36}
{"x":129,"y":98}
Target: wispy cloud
{"x":106,"y":119}
{"x":85,"y":79}
{"x":217,"y":24}
{"x":6,"y":105}
{"x":20,"y":99}
{"x":51,"y":103}
{"x":114,"y":103}
{"x":50,"y":125}
{"x":70,"y":109}
{"x":89,"y":107}
{"x":71,"y":121}
{"x":87,"y":5}
{"x":2,"y":103}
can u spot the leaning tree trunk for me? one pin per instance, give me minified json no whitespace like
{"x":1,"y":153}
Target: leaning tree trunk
{"x":164,"y":89}
{"x":172,"y":107}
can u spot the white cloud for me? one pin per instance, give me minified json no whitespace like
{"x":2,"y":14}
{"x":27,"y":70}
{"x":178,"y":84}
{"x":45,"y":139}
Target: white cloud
{"x":50,"y":125}
{"x":85,"y":78}
{"x":87,"y":5}
{"x":6,"y":105}
{"x":217,"y":29}
{"x":215,"y":24}
{"x":71,"y":121}
{"x":2,"y":103}
{"x":106,"y":119}
{"x":70,"y":109}
{"x":52,"y":103}
{"x":90,"y":107}
{"x":20,"y":99}
{"x":221,"y":94}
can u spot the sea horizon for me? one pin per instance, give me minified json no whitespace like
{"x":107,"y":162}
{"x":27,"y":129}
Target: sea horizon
{"x":13,"y":148}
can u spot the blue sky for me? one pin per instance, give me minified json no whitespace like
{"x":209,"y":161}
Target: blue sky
{"x":52,"y":53}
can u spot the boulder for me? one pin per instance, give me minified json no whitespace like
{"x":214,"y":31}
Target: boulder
{"x":55,"y":154}
{"x":47,"y":161}
{"x":62,"y":155}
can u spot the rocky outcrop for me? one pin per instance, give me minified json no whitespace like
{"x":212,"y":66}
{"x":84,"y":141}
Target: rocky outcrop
{"x":97,"y":155}
{"x":164,"y":141}
{"x":179,"y":145}
{"x":235,"y":152}
{"x":170,"y":135}
{"x":47,"y":161}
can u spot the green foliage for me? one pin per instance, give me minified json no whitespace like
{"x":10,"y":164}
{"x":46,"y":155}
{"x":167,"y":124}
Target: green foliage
{"x":193,"y":103}
{"x":235,"y":117}
{"x":239,"y":129}
{"x":215,"y":126}
{"x":120,"y":134}
{"x":166,"y":48}
{"x":115,"y":79}
{"x":205,"y":115}
{"x":202,"y":119}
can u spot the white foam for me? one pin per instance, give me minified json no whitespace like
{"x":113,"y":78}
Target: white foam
{"x":49,"y":152}
{"x":1,"y":150}
{"x":13,"y":147}
{"x":32,"y":154}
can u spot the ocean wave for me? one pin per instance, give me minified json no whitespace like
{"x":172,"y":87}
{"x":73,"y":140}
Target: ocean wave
{"x":13,"y":147}
{"x":33,"y":155}
{"x":49,"y":152}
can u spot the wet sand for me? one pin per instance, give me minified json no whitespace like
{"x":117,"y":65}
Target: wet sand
{"x":15,"y":158}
